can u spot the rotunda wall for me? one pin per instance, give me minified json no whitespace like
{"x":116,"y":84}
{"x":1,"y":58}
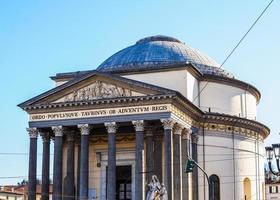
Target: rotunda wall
{"x":232,"y":160}
{"x":222,"y":98}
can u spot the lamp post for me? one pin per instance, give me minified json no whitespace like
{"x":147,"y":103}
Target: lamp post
{"x":274,"y":150}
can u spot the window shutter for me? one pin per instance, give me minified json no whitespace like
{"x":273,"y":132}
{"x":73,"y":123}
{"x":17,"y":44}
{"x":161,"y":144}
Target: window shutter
{"x":270,"y":189}
{"x":276,"y":189}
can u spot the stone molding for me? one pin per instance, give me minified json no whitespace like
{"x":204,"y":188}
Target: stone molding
{"x":33,"y":132}
{"x":138,"y":125}
{"x":84,"y":128}
{"x":58,"y":131}
{"x":111,"y":127}
{"x":168,"y":123}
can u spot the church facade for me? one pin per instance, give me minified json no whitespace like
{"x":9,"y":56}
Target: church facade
{"x":141,"y":114}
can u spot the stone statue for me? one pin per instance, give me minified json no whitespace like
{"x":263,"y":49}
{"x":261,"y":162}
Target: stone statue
{"x":154,"y":188}
{"x":163,"y":192}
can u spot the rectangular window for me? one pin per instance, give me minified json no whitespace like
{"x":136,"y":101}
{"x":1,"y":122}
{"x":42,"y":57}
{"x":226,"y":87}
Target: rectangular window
{"x":273,"y":189}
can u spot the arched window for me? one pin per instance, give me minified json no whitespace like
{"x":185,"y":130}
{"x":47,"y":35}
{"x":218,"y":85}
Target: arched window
{"x":214,"y":187}
{"x":247,"y":189}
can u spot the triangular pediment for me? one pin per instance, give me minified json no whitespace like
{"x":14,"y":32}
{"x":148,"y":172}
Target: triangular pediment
{"x":94,"y":86}
{"x":99,"y":89}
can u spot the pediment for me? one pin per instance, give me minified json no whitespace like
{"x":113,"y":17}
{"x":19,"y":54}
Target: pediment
{"x":94,"y":86}
{"x":99,"y":89}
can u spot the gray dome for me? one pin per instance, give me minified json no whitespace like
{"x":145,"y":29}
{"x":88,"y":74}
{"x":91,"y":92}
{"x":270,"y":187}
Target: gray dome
{"x":158,"y":52}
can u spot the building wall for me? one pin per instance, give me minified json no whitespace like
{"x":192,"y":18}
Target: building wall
{"x":232,"y":160}
{"x":178,"y":80}
{"x":218,"y":97}
{"x":227,"y":99}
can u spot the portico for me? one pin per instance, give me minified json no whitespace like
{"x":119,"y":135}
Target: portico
{"x":91,"y":140}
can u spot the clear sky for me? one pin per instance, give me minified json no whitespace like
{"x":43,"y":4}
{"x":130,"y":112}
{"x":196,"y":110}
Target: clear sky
{"x":41,"y":38}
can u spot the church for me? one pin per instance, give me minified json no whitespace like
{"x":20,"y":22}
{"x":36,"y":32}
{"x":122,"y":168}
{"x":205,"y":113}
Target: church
{"x":133,"y":122}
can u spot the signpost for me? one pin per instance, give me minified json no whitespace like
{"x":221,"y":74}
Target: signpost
{"x":189,"y":169}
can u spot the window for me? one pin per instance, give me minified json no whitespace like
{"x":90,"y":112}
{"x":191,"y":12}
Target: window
{"x":247,"y":189}
{"x":214,"y":187}
{"x":273,"y":189}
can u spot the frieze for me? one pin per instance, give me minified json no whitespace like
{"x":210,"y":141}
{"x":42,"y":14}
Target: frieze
{"x":226,"y":129}
{"x":183,"y":116}
{"x":100,"y":112}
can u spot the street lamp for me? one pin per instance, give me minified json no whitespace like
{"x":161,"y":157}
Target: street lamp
{"x":270,"y":152}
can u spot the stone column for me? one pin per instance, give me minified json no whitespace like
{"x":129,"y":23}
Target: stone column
{"x":69,"y":186}
{"x":57,"y":166}
{"x":33,"y":134}
{"x":185,"y":152}
{"x":84,"y":168}
{"x":149,"y":154}
{"x":111,"y":184}
{"x":139,"y":128}
{"x":194,"y":139}
{"x":78,"y":169}
{"x":45,"y":189}
{"x":168,"y":126}
{"x":177,"y":162}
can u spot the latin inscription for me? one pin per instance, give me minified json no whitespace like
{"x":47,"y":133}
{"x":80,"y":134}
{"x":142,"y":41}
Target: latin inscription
{"x":100,"y":112}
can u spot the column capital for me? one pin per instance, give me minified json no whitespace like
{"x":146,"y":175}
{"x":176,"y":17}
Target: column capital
{"x":111,"y":127}
{"x":194,"y":138}
{"x":149,"y":130}
{"x":168,"y":123}
{"x":58,"y":131}
{"x":187,"y":134}
{"x":178,"y":128}
{"x":84,"y":128}
{"x":138,"y":125}
{"x":46,"y":136}
{"x":70,"y":136}
{"x":33,"y":132}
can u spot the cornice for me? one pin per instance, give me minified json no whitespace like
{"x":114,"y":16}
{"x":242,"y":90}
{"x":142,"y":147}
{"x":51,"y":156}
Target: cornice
{"x":236,"y":124}
{"x":101,"y":103}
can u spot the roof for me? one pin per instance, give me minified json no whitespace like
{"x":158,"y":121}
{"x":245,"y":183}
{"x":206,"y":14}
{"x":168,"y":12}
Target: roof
{"x":158,"y":52}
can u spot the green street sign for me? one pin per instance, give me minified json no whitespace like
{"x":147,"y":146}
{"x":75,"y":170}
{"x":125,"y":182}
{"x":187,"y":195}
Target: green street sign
{"x":189,"y":166}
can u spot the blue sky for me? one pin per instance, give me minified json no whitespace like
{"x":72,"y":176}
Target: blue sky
{"x":41,"y":38}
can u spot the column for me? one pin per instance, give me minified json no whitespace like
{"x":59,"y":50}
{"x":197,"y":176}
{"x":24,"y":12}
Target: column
{"x":57,"y":166}
{"x":33,"y":134}
{"x":111,"y":185}
{"x":84,"y":173}
{"x":149,"y":154}
{"x":177,"y":166}
{"x":78,"y":169}
{"x":45,"y":189}
{"x":139,"y":128}
{"x":69,"y":186}
{"x":185,"y":144}
{"x":194,"y":139}
{"x":168,"y":126}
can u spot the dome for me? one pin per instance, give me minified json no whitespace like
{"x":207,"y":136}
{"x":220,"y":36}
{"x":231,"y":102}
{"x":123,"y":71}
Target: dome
{"x":157,"y":52}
